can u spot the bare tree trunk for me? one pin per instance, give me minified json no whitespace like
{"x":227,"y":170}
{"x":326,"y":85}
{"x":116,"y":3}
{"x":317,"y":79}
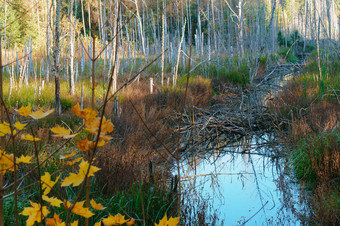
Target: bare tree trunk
{"x":72,"y":41}
{"x":56,"y":57}
{"x":178,"y":54}
{"x":317,"y":38}
{"x":163,"y":42}
{"x":240,"y":17}
{"x":93,"y":67}
{"x":47,"y":42}
{"x":140,"y":28}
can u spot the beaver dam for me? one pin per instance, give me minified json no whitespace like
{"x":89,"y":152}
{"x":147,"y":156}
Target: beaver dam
{"x":232,"y":172}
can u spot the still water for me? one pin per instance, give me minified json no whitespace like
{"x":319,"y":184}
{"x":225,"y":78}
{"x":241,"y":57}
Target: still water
{"x":240,"y":184}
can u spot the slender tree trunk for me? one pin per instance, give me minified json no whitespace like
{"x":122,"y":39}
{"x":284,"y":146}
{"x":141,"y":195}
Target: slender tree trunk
{"x":163,"y":42}
{"x":72,"y":41}
{"x":178,"y":55}
{"x":93,"y":69}
{"x":140,"y":28}
{"x":56,"y":56}
{"x":240,"y":17}
{"x":47,"y":42}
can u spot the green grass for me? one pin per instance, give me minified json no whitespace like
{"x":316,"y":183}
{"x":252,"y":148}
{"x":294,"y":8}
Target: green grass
{"x":314,"y":159}
{"x":28,"y":94}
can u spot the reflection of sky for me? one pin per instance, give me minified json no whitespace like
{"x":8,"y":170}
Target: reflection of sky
{"x":239,"y":195}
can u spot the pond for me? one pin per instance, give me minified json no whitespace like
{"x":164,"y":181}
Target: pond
{"x":241,"y":184}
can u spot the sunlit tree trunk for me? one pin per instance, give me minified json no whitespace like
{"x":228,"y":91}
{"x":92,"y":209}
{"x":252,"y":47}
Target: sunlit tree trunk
{"x":140,"y":28}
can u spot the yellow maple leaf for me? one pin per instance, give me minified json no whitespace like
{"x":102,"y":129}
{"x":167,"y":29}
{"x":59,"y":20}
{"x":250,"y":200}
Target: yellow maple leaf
{"x":73,"y":179}
{"x":62,"y":132}
{"x":77,"y":179}
{"x":6,"y":162}
{"x":168,"y":222}
{"x":98,"y":223}
{"x":131,"y":222}
{"x":117,"y":219}
{"x":74,"y":223}
{"x":4,"y":129}
{"x":87,"y":114}
{"x":39,"y":114}
{"x":34,"y":213}
{"x":54,"y":221}
{"x":101,"y":143}
{"x":24,"y":159}
{"x":20,"y":126}
{"x":83,"y":167}
{"x":29,"y":137}
{"x":69,"y":155}
{"x":47,"y":183}
{"x":84,"y":145}
{"x":71,"y":163}
{"x":97,"y":206}
{"x":79,"y":209}
{"x":93,"y":126}
{"x":52,"y":200}
{"x":25,"y":111}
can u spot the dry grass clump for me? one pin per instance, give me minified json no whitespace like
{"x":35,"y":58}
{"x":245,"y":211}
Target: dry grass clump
{"x":127,"y":160}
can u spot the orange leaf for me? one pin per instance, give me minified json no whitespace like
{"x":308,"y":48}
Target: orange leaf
{"x":69,"y":155}
{"x":97,"y":206}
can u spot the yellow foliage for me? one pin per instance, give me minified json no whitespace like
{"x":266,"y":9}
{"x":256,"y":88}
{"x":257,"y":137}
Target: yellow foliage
{"x":24,"y":159}
{"x":71,"y":163}
{"x":20,"y":126}
{"x":77,"y":179}
{"x":75,"y":223}
{"x":34,"y":213}
{"x":168,"y":222}
{"x":5,"y":129}
{"x":79,"y":209}
{"x":40,"y":114}
{"x":52,"y":200}
{"x":25,"y":111}
{"x":117,"y":219}
{"x":86,"y":145}
{"x":69,"y":155}
{"x":54,"y":221}
{"x":62,"y":132}
{"x":87,"y":114}
{"x":29,"y":137}
{"x":47,"y":183}
{"x":6,"y":162}
{"x":97,"y":206}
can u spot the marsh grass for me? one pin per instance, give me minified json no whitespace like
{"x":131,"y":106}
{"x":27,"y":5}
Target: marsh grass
{"x":310,"y":104}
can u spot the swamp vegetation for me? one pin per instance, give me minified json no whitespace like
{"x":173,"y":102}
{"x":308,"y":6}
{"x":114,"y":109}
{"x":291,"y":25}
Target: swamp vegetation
{"x":157,"y":112}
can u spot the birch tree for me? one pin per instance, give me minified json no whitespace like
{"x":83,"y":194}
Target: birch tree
{"x":56,"y":56}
